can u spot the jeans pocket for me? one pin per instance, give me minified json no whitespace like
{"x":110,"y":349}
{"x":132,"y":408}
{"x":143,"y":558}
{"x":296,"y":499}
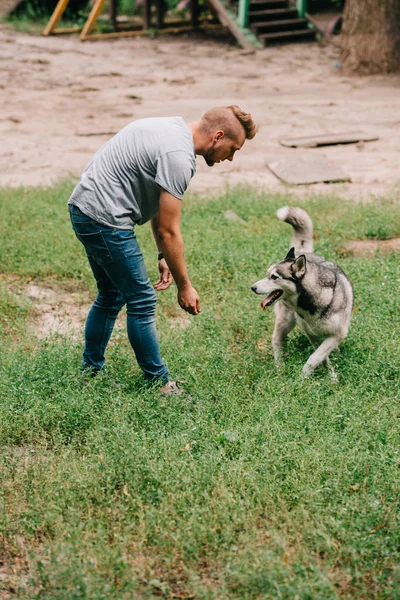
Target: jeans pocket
{"x":96,"y":246}
{"x":77,"y":216}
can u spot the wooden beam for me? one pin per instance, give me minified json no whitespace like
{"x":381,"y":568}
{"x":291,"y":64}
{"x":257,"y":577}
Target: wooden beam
{"x":122,"y":34}
{"x":66,"y":30}
{"x":55,"y":17}
{"x":112,"y":11}
{"x":194,"y":13}
{"x":147,"y":14}
{"x":160,"y":14}
{"x":224,"y":17}
{"x":92,"y":18}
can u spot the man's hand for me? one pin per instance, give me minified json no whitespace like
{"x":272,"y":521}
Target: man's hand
{"x":165,"y":276}
{"x":189,"y":299}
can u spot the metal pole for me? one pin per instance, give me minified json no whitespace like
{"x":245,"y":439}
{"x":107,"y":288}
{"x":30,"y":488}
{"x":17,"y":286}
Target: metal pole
{"x":301,"y":8}
{"x":243,"y":12}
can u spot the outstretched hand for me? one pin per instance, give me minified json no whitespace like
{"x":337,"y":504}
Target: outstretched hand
{"x":189,"y":300}
{"x":165,"y":279}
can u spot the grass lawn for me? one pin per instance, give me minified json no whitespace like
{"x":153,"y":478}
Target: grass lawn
{"x":261,"y":484}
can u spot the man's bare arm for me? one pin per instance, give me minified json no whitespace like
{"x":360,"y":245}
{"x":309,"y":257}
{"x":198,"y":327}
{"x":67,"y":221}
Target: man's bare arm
{"x":166,"y":230}
{"x":154,"y":227}
{"x":165,"y":278}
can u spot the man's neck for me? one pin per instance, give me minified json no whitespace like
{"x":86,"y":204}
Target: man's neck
{"x":199,"y":138}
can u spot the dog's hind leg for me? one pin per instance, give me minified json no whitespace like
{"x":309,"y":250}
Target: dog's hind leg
{"x":332,"y":372}
{"x":321,"y":354}
{"x":284,"y":322}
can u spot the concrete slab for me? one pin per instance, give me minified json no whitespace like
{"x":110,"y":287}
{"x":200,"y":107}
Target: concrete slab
{"x":302,"y":170}
{"x":328,"y":139}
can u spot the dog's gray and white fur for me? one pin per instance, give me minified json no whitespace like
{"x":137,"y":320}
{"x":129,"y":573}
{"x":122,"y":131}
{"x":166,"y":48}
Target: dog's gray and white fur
{"x":308,"y":290}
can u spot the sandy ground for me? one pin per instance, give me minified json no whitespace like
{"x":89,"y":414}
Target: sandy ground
{"x":61,"y":99}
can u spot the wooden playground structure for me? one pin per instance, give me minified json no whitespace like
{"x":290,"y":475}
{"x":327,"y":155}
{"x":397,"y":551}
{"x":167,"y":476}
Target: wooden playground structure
{"x":153,"y":17}
{"x":254,"y":23}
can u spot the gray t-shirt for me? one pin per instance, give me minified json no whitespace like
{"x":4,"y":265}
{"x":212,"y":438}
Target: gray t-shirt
{"x":121,"y":185}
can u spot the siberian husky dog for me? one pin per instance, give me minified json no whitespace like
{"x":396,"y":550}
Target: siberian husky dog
{"x":308,"y":290}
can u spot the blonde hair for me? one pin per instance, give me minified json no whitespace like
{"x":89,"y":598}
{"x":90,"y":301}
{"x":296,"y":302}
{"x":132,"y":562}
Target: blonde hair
{"x":227,"y":118}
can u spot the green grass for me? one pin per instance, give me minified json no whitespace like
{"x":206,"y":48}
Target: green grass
{"x":261,"y":485}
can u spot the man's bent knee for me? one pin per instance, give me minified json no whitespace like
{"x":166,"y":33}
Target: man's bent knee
{"x":111,"y":303}
{"x":143,"y":303}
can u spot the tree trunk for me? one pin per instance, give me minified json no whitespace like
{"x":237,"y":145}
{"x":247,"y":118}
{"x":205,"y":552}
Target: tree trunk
{"x":370,"y":41}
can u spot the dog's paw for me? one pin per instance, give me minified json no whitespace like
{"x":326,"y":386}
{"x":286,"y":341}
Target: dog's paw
{"x":333,"y":378}
{"x":307,"y":371}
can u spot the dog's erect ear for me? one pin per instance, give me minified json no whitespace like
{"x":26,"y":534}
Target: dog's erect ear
{"x":299,"y":266}
{"x":290,"y":254}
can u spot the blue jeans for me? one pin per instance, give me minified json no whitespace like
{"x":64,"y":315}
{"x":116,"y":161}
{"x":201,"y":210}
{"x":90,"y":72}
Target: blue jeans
{"x":118,"y":267}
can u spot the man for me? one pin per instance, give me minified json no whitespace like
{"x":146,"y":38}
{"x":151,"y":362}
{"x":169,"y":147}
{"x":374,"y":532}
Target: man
{"x":141,"y":175}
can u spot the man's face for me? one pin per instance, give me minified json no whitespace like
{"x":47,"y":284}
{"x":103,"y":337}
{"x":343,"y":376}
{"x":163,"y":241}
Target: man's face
{"x":223,"y":148}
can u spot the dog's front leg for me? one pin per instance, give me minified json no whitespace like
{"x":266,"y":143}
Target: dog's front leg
{"x":321,"y":354}
{"x":314,"y":341}
{"x":284,"y":322}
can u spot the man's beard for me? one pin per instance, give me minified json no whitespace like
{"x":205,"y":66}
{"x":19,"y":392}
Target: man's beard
{"x":209,"y":157}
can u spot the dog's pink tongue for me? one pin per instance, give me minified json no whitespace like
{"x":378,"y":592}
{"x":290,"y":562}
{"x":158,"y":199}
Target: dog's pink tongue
{"x":265,"y":302}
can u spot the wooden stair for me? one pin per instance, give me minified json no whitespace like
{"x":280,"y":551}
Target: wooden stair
{"x":274,"y":21}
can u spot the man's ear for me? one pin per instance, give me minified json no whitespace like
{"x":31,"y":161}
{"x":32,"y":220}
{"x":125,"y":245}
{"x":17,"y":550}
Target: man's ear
{"x":290,"y":254}
{"x":299,"y":266}
{"x":219,"y":135}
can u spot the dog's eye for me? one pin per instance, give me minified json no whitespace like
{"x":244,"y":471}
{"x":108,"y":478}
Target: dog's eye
{"x":274,"y":277}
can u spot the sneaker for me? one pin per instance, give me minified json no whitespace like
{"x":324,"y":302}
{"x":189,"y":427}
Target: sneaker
{"x":172,"y":388}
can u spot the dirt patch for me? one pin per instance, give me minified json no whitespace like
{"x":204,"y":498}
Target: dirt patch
{"x":181,"y":322}
{"x":177,"y":318}
{"x":369,"y":248}
{"x":61,"y":99}
{"x":57,"y":311}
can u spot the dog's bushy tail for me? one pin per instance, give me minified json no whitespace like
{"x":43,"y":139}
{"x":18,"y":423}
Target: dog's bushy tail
{"x":302,"y":238}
